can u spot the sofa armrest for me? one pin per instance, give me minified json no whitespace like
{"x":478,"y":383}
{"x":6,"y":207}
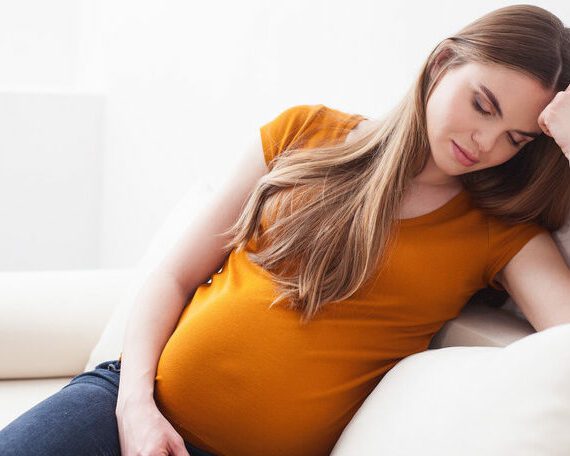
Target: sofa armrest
{"x":52,"y":319}
{"x":481,"y":325}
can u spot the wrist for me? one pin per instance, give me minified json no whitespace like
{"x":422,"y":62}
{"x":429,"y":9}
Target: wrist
{"x":138,"y":398}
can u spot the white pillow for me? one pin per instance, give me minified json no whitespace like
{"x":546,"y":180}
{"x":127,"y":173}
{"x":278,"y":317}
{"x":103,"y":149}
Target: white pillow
{"x":470,"y":401}
{"x":110,"y":344}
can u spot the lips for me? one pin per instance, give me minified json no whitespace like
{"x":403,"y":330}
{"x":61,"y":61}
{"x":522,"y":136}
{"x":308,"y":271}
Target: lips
{"x":469,"y":155}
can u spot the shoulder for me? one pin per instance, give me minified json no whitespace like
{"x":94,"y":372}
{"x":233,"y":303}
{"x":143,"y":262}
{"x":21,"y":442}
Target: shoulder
{"x":310,"y":114}
{"x":295,"y":116}
{"x":304,"y":124}
{"x":286,"y":128}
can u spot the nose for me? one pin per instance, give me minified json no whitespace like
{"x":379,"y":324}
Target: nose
{"x":485,"y":139}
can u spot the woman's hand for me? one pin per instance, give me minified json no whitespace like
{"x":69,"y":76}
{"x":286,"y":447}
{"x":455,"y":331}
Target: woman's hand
{"x":144,"y":431}
{"x":554,"y":120}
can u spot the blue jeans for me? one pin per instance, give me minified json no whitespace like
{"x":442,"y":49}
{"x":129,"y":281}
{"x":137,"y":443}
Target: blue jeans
{"x":77,"y":420}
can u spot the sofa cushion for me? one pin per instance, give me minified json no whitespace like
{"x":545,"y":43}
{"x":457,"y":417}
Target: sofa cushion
{"x":18,"y":396}
{"x":470,"y":401}
{"x":50,"y":320}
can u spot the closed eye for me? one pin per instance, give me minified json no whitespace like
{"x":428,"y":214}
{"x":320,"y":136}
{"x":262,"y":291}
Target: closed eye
{"x":478,"y":107}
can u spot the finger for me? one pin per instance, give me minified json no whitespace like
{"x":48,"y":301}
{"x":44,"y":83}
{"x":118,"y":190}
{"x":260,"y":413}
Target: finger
{"x":542,"y":123}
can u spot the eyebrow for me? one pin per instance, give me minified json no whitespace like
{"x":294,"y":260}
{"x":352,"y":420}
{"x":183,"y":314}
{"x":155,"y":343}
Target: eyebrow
{"x":495,"y":102}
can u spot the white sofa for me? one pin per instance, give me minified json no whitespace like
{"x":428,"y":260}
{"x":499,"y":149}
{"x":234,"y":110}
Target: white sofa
{"x":52,"y":320}
{"x":57,"y":324}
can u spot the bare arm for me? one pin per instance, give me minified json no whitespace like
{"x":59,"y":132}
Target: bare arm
{"x":154,"y":317}
{"x":538,"y":280}
{"x":196,"y":256}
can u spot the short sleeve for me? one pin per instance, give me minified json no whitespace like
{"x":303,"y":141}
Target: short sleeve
{"x":285,"y":129}
{"x":505,"y":241}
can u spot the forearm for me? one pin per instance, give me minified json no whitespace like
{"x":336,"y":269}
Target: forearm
{"x":151,"y":322}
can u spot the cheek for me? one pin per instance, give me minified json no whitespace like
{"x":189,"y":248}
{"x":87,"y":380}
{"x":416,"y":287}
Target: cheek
{"x":441,"y":129}
{"x":436,"y":120}
{"x":447,"y":118}
{"x":499,"y":156}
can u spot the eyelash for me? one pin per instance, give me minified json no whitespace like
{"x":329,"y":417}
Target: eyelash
{"x":478,"y":107}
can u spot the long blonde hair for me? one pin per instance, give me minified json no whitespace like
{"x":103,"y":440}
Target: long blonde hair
{"x":333,"y":207}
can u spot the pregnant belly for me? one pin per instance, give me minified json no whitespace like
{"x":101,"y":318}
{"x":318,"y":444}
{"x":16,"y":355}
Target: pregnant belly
{"x":233,"y":394}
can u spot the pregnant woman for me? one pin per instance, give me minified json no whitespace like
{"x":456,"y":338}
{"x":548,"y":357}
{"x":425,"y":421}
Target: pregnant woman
{"x":345,"y":243}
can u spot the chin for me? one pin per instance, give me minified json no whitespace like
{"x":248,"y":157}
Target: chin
{"x":447,"y":168}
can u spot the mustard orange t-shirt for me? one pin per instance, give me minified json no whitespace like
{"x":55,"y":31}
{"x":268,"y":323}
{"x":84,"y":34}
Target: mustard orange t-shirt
{"x":239,"y":379}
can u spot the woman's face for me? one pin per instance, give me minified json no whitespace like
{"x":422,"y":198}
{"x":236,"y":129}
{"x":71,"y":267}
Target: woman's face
{"x":489,"y":111}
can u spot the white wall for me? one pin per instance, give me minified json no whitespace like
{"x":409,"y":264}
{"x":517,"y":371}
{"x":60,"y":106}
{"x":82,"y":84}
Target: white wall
{"x":50,"y":180}
{"x":186,"y":84}
{"x":189,"y":82}
{"x":37,"y":41}
{"x":50,"y":142}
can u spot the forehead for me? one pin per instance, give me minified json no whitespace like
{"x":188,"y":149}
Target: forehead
{"x":518,"y":93}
